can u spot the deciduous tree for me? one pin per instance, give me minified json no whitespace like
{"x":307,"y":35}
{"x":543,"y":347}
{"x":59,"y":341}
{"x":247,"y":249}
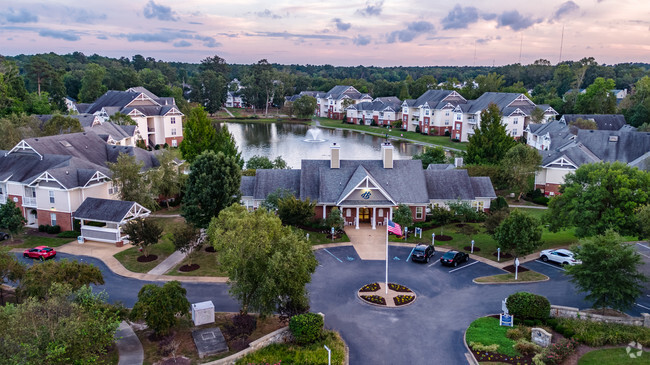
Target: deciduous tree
{"x":91,"y":83}
{"x":161,"y":307}
{"x":212,"y":185}
{"x":599,"y":196}
{"x":490,"y":142}
{"x":262,"y":162}
{"x":431,"y":155}
{"x":185,"y":239}
{"x":598,"y":98}
{"x":60,"y":124}
{"x":39,"y":277}
{"x":121,"y":119}
{"x":519,"y":234}
{"x":272,"y":200}
{"x":403,"y":216}
{"x":133,"y":184}
{"x":335,"y":219}
{"x":521,"y":162}
{"x":143,"y":232}
{"x":294,"y":211}
{"x":268,"y":264}
{"x":305,"y":106}
{"x":10,"y":269}
{"x":643,"y":221}
{"x":609,"y":272}
{"x":11,"y":218}
{"x":167,"y":180}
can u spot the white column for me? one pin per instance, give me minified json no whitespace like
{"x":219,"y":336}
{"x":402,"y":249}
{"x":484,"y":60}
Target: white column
{"x":357,"y":219}
{"x":390,"y":214}
{"x":324,"y":211}
{"x":374,"y":218}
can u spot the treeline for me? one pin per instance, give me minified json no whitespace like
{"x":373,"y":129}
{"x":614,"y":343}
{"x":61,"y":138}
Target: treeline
{"x":36,"y":84}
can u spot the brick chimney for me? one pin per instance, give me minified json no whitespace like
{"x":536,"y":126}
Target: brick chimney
{"x":335,"y":156}
{"x":387,"y":155}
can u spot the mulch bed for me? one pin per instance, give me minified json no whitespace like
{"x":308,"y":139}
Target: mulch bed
{"x":369,"y":288}
{"x":503,"y":255}
{"x":399,"y":288}
{"x":511,"y":268}
{"x":149,"y":258}
{"x":336,"y":236}
{"x":374,"y":299}
{"x":180,"y":360}
{"x":188,"y":268}
{"x":210,"y":249}
{"x":469,"y":248}
{"x":443,"y":237}
{"x":460,"y":225}
{"x":403,"y":299}
{"x":485,"y":356}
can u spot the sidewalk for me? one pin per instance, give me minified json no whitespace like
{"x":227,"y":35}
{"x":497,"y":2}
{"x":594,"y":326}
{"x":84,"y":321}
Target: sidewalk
{"x":128,"y":345}
{"x":105,"y":252}
{"x":167,"y":264}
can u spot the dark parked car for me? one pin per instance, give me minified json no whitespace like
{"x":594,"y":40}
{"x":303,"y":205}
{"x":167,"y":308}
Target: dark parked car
{"x":423,"y":253}
{"x":40,"y":252}
{"x":453,"y":258}
{"x":4,"y":236}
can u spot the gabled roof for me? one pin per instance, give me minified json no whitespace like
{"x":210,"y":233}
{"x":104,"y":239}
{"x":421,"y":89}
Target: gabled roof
{"x":106,"y":210}
{"x":605,"y":122}
{"x":502,"y":100}
{"x":114,"y":101}
{"x":340,"y":91}
{"x":268,"y":181}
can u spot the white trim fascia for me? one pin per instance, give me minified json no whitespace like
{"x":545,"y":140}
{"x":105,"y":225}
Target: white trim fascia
{"x":374,"y":182}
{"x":23,"y":146}
{"x":47,"y":177}
{"x":142,"y":96}
{"x":97,"y":176}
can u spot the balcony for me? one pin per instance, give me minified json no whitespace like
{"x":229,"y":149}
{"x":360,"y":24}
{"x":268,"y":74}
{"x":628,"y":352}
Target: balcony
{"x":29,"y":202}
{"x":471,"y":120}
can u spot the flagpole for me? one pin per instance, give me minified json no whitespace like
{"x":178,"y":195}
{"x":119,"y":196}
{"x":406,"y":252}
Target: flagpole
{"x":386,"y":258}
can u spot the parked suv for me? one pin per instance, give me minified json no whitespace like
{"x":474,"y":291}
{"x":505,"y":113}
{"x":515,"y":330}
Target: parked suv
{"x":561,"y":256}
{"x":423,"y":253}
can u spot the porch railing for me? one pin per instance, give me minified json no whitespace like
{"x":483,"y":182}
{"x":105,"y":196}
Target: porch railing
{"x":100,"y":234}
{"x":29,"y":202}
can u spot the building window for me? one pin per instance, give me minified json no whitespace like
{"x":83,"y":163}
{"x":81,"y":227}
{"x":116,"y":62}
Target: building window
{"x":173,"y":120}
{"x":426,"y":112}
{"x":478,"y":205}
{"x":446,"y":114}
{"x":348,"y":212}
{"x":112,"y":188}
{"x":173,"y":131}
{"x":514,"y":132}
{"x":418,"y":212}
{"x":51,"y":196}
{"x":447,"y":122}
{"x":53,"y":219}
{"x":515,"y":121}
{"x":381,"y":212}
{"x":174,"y":143}
{"x":458,"y":116}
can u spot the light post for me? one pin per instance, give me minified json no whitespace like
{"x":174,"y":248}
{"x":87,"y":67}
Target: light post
{"x":472,"y":251}
{"x":516,"y":267}
{"x":433,"y":239}
{"x":329,"y":355}
{"x":498,"y":254}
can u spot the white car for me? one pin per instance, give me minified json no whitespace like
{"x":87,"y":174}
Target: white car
{"x":560,"y":256}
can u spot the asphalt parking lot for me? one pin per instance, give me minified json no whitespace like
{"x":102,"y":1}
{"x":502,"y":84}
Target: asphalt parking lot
{"x":431,"y":329}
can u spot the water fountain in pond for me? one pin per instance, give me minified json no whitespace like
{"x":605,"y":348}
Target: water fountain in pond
{"x":314,"y":135}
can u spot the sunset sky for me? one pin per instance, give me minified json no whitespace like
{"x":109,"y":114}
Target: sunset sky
{"x":337,"y":32}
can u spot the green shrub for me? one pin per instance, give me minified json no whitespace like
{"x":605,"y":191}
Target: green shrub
{"x":556,"y":353}
{"x":494,"y":219}
{"x":306,"y":328}
{"x":69,"y":234}
{"x":42,"y":228}
{"x":54,"y":229}
{"x":541,"y":200}
{"x":594,"y":333}
{"x":499,"y":203}
{"x":518,"y":332}
{"x":527,"y":348}
{"x":528,"y":306}
{"x":477,"y":346}
{"x":486,"y":330}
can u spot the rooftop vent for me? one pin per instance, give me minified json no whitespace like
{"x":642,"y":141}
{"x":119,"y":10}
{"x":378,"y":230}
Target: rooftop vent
{"x":65,"y":143}
{"x":613,"y":138}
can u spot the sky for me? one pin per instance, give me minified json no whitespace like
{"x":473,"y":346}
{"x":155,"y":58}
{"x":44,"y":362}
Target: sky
{"x":336,"y":32}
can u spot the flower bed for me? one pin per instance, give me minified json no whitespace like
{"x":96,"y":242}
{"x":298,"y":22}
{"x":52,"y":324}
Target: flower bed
{"x":369,"y":287}
{"x":486,"y":356}
{"x":403,"y":299}
{"x":374,"y":299}
{"x":399,"y":288}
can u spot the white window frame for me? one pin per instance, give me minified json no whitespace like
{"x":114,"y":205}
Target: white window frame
{"x":53,"y":219}
{"x":52,"y":197}
{"x":348,"y":212}
{"x":381,"y":213}
{"x":419,"y":211}
{"x":173,"y":131}
{"x":174,"y":143}
{"x":173,"y":120}
{"x":515,"y":121}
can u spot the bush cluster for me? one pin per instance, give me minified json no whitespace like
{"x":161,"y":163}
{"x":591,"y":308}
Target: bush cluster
{"x":242,"y":326}
{"x":556,"y":353}
{"x":594,"y":333}
{"x":69,"y":234}
{"x":306,"y":328}
{"x":528,"y":306}
{"x":49,"y":229}
{"x":526,"y":347}
{"x":518,"y":333}
{"x":477,"y":346}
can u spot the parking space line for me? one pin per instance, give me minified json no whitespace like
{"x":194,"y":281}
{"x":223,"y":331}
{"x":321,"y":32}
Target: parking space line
{"x":407,"y":259}
{"x":642,"y":306}
{"x":642,"y":254}
{"x":547,"y":264}
{"x":332,"y":255}
{"x":462,"y":267}
{"x":642,"y":245}
{"x":435,"y":262}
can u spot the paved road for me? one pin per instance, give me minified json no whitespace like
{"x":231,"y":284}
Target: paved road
{"x":431,"y":329}
{"x":428,"y":331}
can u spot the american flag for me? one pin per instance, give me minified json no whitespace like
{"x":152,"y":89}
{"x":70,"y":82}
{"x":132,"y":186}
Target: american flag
{"x":394,"y":228}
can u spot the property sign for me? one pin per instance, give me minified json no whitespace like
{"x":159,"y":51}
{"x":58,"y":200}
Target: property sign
{"x":506,"y":320}
{"x":418,"y":231}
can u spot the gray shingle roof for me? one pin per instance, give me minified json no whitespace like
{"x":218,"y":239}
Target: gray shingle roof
{"x":502,"y":100}
{"x":605,"y":122}
{"x":449,"y":184}
{"x":268,"y":181}
{"x":104,"y":210}
{"x":247,"y":186}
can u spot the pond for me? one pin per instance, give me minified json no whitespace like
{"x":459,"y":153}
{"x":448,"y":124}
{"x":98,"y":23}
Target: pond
{"x":294,"y":142}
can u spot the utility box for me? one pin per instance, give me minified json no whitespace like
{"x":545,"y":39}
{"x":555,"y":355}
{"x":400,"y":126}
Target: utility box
{"x":202,"y":313}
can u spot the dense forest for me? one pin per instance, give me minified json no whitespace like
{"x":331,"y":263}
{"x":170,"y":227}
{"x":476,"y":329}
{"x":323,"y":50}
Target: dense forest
{"x":37,"y":84}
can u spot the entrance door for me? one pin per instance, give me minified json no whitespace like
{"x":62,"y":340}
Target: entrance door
{"x":364,"y":215}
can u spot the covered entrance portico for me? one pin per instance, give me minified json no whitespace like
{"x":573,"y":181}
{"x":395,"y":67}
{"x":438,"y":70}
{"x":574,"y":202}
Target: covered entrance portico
{"x":372,"y":216}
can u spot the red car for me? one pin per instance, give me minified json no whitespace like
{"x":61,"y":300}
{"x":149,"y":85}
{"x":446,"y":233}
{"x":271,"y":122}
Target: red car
{"x":40,"y":252}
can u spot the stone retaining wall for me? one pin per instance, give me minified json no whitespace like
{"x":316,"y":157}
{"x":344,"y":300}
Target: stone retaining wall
{"x":559,"y":311}
{"x":279,"y":336}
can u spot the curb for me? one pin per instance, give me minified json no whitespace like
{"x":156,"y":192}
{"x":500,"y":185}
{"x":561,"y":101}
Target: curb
{"x":510,"y":282}
{"x":471,"y":360}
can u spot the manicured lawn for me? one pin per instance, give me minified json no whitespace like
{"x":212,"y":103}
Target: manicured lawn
{"x":129,"y":257}
{"x":510,"y":278}
{"x":395,"y":133}
{"x":294,"y":354}
{"x":317,"y":238}
{"x":616,"y":356}
{"x":484,"y":240}
{"x":208,"y":262}
{"x":33,"y":241}
{"x":486,"y":330}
